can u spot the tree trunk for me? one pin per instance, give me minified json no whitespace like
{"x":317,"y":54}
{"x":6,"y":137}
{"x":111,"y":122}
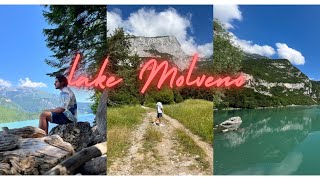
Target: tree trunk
{"x":101,"y":116}
{"x":70,"y":165}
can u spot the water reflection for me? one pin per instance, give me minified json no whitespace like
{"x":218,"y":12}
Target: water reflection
{"x":269,"y":141}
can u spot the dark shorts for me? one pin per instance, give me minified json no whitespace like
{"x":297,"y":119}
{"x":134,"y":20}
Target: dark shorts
{"x":159,"y":115}
{"x":59,"y":118}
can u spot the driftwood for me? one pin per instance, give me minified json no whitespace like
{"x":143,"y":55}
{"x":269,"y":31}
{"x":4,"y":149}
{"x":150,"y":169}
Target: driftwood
{"x":34,"y":155}
{"x":8,"y":142}
{"x":70,"y":165}
{"x":96,"y":165}
{"x":25,"y":132}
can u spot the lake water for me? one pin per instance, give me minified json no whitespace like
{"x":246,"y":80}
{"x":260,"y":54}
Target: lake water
{"x":81,"y":118}
{"x":270,"y":141}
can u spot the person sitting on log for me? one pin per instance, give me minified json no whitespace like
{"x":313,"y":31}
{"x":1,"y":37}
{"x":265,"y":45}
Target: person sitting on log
{"x":66,"y":112}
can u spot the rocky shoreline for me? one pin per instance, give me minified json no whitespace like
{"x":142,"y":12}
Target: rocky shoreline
{"x":271,"y":107}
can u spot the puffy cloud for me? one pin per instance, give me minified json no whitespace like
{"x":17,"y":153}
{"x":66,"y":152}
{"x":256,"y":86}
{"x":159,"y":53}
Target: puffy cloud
{"x":250,"y":47}
{"x":294,"y":56}
{"x":226,"y":14}
{"x":4,"y":83}
{"x":205,"y":49}
{"x":149,"y":23}
{"x":28,"y":83}
{"x":114,"y":21}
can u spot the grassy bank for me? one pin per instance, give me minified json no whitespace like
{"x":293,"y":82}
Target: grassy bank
{"x":196,"y":115}
{"x":121,"y":121}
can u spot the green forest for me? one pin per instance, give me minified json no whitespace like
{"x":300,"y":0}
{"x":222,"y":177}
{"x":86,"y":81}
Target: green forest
{"x":12,"y":115}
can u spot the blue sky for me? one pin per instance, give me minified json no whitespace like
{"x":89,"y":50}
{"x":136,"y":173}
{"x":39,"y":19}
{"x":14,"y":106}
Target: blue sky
{"x":276,"y":31}
{"x":190,"y":24}
{"x":23,"y":49}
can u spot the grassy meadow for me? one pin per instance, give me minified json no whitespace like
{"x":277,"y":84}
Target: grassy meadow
{"x":121,"y":121}
{"x":196,"y":115}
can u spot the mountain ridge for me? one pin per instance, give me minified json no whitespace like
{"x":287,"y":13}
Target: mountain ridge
{"x":271,"y":82}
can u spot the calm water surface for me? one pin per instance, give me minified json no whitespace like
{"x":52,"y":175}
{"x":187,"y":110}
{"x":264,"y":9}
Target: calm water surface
{"x":81,"y":118}
{"x":269,"y":141}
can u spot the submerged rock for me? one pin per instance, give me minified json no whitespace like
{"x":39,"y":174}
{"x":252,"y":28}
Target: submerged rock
{"x":79,"y":134}
{"x":231,"y":124}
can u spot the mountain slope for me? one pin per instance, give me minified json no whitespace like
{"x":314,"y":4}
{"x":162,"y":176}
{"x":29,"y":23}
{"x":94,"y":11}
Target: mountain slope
{"x":11,"y":115}
{"x":26,"y":103}
{"x":271,"y":82}
{"x":164,"y":47}
{"x":29,"y":99}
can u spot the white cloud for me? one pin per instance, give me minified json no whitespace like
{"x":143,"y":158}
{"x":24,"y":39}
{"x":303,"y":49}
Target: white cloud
{"x":250,"y":47}
{"x":205,"y":49}
{"x":114,"y":20}
{"x":4,"y":83}
{"x":294,"y":56}
{"x":226,"y":14}
{"x":149,"y":23}
{"x":28,"y":83}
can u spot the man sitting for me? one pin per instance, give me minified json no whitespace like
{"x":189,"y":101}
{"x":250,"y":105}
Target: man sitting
{"x":66,"y":112}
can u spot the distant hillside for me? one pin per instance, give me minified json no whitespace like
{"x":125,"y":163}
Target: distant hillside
{"x":271,"y":82}
{"x":29,"y":99}
{"x":26,"y":103}
{"x":10,"y":115}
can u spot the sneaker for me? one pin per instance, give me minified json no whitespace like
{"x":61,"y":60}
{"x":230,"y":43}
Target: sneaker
{"x":154,"y":123}
{"x":157,"y":124}
{"x":161,"y":125}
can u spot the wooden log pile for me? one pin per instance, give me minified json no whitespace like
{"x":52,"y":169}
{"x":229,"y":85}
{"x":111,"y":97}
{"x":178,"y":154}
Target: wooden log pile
{"x":27,"y":151}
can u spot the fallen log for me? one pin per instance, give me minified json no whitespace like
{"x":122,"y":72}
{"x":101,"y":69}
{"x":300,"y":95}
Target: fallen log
{"x":97,"y":166}
{"x":70,"y":165}
{"x":25,"y":132}
{"x":8,"y":142}
{"x":34,"y":156}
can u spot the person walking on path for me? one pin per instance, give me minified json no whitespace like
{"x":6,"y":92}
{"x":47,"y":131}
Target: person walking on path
{"x":159,"y":108}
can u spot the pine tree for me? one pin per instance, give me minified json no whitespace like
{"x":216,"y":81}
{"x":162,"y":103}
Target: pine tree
{"x":78,"y":29}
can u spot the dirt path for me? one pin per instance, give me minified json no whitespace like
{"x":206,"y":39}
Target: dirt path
{"x":164,"y":157}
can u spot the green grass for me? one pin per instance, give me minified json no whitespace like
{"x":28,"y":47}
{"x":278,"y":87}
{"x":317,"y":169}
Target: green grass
{"x":124,"y":116}
{"x":149,"y":151}
{"x":151,"y":138}
{"x":189,"y":146}
{"x":196,"y":115}
{"x":121,"y":121}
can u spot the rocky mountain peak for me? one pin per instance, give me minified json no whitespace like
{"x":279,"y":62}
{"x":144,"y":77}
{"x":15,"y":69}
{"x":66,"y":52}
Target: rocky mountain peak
{"x":164,"y":47}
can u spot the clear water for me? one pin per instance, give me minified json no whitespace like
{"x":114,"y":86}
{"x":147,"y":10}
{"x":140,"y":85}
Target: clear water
{"x":81,"y":118}
{"x":275,"y":141}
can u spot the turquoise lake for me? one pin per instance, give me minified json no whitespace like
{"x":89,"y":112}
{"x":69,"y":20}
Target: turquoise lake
{"x":81,"y":118}
{"x":276,"y":141}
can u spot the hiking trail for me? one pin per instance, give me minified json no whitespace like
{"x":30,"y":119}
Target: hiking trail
{"x":164,"y":157}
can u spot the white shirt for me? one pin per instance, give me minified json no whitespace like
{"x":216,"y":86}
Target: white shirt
{"x":159,"y":107}
{"x":69,"y":103}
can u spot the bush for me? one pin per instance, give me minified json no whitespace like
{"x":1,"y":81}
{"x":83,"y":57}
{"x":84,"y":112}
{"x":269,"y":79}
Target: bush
{"x":177,"y":97}
{"x":165,"y":96}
